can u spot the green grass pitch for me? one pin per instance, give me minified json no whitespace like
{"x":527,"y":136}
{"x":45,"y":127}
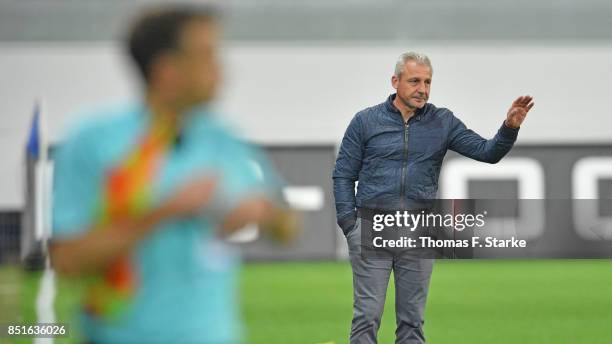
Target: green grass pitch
{"x":508,"y":301}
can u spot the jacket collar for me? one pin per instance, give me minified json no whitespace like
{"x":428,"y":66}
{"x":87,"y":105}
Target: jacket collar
{"x":418,"y":113}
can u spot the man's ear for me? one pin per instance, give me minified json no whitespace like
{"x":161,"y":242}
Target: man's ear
{"x":163,"y":70}
{"x":394,"y":81}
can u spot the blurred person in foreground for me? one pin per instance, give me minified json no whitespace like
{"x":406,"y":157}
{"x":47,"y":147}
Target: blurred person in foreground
{"x":143,"y":195}
{"x":395,"y":151}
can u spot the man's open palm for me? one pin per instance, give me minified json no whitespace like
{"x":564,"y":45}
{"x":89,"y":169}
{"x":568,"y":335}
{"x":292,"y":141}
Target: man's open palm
{"x":518,"y":111}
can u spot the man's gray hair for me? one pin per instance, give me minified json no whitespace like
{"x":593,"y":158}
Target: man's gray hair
{"x":419,"y":58}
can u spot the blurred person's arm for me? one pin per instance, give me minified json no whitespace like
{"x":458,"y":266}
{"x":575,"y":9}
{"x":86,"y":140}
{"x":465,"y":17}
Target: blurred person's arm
{"x":273,"y":218}
{"x":253,"y":194}
{"x":96,"y":247}
{"x":468,"y":143}
{"x":346,"y":173}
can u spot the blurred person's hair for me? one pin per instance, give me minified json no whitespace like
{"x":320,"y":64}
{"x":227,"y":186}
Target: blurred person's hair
{"x":419,"y":58}
{"x":158,"y":30}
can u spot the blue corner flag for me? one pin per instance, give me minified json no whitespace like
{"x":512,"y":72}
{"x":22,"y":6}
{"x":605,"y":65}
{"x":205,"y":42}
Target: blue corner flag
{"x":33,"y":146}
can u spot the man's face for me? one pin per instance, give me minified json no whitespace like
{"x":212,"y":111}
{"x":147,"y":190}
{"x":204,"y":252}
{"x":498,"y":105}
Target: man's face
{"x":197,"y":66}
{"x":413,"y":85}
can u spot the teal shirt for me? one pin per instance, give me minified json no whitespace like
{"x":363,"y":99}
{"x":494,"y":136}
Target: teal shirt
{"x":187,"y":288}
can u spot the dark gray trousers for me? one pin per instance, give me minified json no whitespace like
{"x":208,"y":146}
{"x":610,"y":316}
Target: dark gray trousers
{"x":370,"y":281}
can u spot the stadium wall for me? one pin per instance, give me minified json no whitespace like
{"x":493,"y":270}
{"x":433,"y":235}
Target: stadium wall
{"x":300,"y":95}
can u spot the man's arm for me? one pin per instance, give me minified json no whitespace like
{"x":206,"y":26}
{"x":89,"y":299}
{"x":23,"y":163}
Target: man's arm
{"x":97,"y":247}
{"x":273,"y":218}
{"x":346,"y":173}
{"x":255,"y":195}
{"x":468,"y":143}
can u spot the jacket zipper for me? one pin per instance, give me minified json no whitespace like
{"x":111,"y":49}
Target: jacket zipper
{"x":404,"y":162}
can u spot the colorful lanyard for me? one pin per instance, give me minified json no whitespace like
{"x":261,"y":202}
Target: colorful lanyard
{"x":127,"y":193}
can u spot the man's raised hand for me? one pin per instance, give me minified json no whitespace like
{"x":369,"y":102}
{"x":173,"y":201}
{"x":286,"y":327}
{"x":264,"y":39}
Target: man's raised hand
{"x":518,"y":111}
